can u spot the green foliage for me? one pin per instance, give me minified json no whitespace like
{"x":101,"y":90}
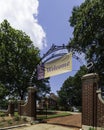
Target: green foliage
{"x":3,"y":91}
{"x":1,"y":124}
{"x":10,"y":122}
{"x":18,"y":59}
{"x":88,"y":38}
{"x":52,"y":115}
{"x":71,"y":91}
{"x":2,"y":114}
{"x":43,"y":87}
{"x":24,"y":119}
{"x":16,"y":117}
{"x":3,"y":104}
{"x":91,"y":128}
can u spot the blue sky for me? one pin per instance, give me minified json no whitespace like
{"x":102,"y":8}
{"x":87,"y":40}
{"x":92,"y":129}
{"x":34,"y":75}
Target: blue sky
{"x":54,"y":18}
{"x":46,"y":22}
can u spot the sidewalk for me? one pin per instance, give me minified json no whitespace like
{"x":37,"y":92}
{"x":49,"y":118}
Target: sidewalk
{"x":44,"y":127}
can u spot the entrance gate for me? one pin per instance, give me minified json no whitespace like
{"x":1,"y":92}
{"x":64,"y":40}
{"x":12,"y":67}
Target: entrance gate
{"x":92,"y":103}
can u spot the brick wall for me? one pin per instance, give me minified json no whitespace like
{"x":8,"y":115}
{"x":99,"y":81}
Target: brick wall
{"x":92,"y":105}
{"x":100,"y":110}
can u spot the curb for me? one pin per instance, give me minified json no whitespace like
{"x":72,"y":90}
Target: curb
{"x":22,"y":125}
{"x":16,"y":126}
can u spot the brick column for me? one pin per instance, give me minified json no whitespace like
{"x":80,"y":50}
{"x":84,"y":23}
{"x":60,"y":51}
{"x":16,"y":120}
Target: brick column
{"x":89,"y":100}
{"x":29,"y":108}
{"x":31,"y":105}
{"x":10,"y":110}
{"x":20,"y":102}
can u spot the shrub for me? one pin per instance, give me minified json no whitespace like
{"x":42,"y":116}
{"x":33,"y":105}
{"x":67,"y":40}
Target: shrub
{"x":10,"y":122}
{"x":16,"y":117}
{"x":24,"y":119}
{"x":2,"y":114}
{"x":91,"y":128}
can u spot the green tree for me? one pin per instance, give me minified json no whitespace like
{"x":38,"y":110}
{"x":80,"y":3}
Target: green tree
{"x":71,"y":90}
{"x":78,"y":86}
{"x":88,"y":34}
{"x":66,"y":93}
{"x":43,"y":87}
{"x":18,"y":59}
{"x":3,"y":93}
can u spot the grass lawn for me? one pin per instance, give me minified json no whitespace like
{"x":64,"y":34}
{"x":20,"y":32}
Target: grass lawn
{"x":52,"y":114}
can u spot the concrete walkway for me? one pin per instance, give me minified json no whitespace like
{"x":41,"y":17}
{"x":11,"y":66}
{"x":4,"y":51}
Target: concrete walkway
{"x":44,"y":127}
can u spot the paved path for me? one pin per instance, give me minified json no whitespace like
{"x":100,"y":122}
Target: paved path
{"x":44,"y":127}
{"x":73,"y":121}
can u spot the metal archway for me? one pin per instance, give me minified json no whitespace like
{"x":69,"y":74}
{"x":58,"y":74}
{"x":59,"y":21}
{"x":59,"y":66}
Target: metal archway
{"x":50,"y":55}
{"x":55,"y":48}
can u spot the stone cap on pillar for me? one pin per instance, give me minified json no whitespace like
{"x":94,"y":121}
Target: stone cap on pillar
{"x":11,"y":101}
{"x":32,"y":89}
{"x":21,"y":101}
{"x":91,"y":76}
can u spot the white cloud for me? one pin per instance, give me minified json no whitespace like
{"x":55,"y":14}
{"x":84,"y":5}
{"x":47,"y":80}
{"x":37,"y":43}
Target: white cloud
{"x":22,"y":14}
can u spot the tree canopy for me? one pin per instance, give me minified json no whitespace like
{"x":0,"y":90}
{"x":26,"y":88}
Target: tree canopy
{"x":18,"y":59}
{"x":88,"y":35}
{"x":71,"y":90}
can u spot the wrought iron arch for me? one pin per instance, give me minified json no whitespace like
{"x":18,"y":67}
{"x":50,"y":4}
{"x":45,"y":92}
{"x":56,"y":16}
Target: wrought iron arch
{"x":55,"y":48}
{"x":50,"y":55}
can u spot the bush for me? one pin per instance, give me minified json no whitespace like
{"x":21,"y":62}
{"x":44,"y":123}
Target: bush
{"x":24,"y":119}
{"x":91,"y":128}
{"x":16,"y":117}
{"x":10,"y":122}
{"x":2,"y":114}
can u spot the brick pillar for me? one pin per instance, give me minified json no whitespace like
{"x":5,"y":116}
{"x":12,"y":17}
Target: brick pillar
{"x":10,"y":110}
{"x":89,"y":100}
{"x":20,"y":102}
{"x":31,"y":105}
{"x":29,"y":108}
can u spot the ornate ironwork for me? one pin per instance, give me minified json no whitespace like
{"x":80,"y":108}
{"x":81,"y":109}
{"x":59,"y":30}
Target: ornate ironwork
{"x":53,"y":56}
{"x":55,"y":48}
